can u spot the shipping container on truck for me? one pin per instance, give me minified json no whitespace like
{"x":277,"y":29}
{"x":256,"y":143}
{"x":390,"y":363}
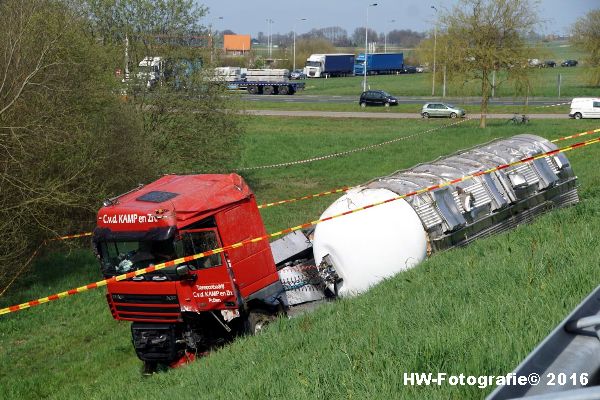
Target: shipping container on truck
{"x":379,"y":63}
{"x":329,"y":65}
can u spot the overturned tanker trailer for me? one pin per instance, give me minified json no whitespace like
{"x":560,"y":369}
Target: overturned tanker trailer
{"x":365,"y":247}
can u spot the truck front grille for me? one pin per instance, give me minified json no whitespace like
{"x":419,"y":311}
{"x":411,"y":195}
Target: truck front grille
{"x":145,"y":307}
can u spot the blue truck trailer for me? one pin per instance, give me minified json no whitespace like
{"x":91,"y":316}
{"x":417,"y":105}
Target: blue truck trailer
{"x":379,"y":63}
{"x":329,"y":65}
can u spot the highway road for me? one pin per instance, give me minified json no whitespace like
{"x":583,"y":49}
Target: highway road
{"x":302,"y":98}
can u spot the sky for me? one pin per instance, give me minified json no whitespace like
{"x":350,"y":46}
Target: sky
{"x":250,"y":16}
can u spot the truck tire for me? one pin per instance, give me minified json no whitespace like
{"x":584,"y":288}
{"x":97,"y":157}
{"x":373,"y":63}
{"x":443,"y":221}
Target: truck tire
{"x":257,"y":320}
{"x":268,"y":90}
{"x":252,"y":89}
{"x":284,"y":90}
{"x":578,"y":116}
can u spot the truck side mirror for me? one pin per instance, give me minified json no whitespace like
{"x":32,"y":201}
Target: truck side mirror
{"x":182,"y":270}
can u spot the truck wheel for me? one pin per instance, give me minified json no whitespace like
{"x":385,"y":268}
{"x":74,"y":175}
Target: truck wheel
{"x":284,"y":90}
{"x":252,"y":89}
{"x":578,"y":116}
{"x":258,"y":319}
{"x":268,"y":90}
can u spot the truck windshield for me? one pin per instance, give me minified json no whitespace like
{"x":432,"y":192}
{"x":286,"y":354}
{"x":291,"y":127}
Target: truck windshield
{"x":125,"y":256}
{"x":313,"y":64}
{"x":119,"y":257}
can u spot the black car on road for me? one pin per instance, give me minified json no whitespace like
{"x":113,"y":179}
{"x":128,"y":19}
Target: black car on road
{"x":569,"y":63}
{"x":377,"y":98}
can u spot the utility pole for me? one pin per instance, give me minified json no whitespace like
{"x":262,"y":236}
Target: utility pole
{"x":270,"y":41}
{"x":366,"y":47}
{"x":434,"y":49}
{"x":301,"y":19}
{"x":385,"y":38}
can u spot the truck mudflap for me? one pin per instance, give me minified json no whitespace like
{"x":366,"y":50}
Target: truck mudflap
{"x":566,"y":362}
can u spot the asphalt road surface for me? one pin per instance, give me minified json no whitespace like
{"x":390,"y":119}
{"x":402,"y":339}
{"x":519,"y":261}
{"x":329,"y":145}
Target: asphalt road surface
{"x":301,"y":98}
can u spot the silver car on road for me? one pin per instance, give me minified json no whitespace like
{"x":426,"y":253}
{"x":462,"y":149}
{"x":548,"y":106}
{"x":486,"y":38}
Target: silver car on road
{"x":441,"y":110}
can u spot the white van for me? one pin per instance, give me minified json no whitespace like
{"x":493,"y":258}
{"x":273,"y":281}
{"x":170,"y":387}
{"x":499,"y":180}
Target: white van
{"x":585,"y":107}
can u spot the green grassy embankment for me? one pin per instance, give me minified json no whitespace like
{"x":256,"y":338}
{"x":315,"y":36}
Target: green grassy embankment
{"x":400,"y":108}
{"x":477,"y":310}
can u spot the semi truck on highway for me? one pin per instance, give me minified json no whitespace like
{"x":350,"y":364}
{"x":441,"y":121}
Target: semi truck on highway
{"x":329,"y":65}
{"x":259,"y":81}
{"x":186,"y":310}
{"x":379,"y":63}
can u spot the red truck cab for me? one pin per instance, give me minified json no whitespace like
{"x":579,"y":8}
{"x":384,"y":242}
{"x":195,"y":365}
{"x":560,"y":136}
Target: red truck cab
{"x":181,"y":311}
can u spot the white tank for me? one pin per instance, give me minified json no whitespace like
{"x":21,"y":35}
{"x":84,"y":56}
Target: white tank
{"x":371,"y":245}
{"x":377,"y":243}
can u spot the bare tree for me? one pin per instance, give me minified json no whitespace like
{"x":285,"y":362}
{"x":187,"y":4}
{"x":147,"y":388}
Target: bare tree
{"x":358,"y":36}
{"x":61,"y":128}
{"x":486,"y":37}
{"x":586,"y":36}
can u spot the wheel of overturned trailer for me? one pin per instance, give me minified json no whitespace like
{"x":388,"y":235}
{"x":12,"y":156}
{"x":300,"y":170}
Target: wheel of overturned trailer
{"x":268,"y":90}
{"x":257,"y":320}
{"x":284,"y":90}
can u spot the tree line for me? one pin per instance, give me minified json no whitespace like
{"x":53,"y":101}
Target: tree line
{"x":75,"y":130}
{"x":339,"y":37}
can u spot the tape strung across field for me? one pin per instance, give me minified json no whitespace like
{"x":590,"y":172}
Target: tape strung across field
{"x":576,"y":135}
{"x":344,"y":153}
{"x":182,"y":260}
{"x":326,"y":193}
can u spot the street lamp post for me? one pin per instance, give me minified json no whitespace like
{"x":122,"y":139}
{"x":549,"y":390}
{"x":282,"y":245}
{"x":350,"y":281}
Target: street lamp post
{"x":434,"y":48}
{"x":211,"y":40}
{"x":301,"y":19}
{"x":269,"y":42}
{"x":366,"y":47}
{"x":385,"y":37}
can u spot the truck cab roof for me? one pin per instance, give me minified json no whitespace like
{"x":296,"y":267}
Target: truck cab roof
{"x":172,"y":201}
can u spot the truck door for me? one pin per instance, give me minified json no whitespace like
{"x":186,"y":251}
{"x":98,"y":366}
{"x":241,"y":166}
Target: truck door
{"x":212,"y":289}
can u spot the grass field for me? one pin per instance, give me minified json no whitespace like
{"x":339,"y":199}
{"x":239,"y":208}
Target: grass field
{"x":544,"y":81}
{"x":543,"y":84}
{"x":477,"y":310}
{"x":401,"y":108}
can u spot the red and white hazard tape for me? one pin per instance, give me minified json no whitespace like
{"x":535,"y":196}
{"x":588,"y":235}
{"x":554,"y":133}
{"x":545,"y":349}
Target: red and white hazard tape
{"x":181,"y":260}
